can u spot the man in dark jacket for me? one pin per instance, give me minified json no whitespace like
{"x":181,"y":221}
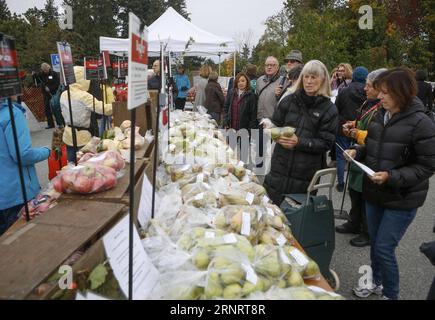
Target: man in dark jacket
{"x":424,"y":89}
{"x":49,"y":82}
{"x":154,"y":81}
{"x":214,"y":97}
{"x":348,"y":101}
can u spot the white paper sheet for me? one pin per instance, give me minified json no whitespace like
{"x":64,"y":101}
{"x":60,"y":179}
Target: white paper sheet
{"x":145,"y":275}
{"x":363,"y":167}
{"x":145,"y":204}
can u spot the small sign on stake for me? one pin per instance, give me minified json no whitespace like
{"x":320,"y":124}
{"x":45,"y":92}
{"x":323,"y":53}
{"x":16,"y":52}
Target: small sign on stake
{"x":9,"y":80}
{"x":137,"y":63}
{"x":91,"y":68}
{"x":66,"y":63}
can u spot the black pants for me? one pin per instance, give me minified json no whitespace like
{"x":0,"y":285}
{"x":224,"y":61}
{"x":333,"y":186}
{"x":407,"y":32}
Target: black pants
{"x":47,"y":110}
{"x":180,"y":103}
{"x":431,"y":294}
{"x":357,"y":213}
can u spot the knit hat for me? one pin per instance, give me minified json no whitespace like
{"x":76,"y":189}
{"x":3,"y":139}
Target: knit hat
{"x":360,"y":74}
{"x":294,"y":55}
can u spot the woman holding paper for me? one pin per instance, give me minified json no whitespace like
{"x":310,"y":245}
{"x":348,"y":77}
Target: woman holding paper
{"x":308,"y":109}
{"x":357,"y":130}
{"x":400,"y":148}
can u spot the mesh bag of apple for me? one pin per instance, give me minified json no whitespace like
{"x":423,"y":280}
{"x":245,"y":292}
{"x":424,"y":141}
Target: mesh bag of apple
{"x":93,"y":174}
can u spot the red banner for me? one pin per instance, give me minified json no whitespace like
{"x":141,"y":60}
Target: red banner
{"x":139,"y":50}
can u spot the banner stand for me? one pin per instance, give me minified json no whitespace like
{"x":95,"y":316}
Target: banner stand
{"x":20,"y":167}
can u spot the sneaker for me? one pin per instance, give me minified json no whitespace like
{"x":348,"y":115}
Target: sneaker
{"x":346,"y":228}
{"x":360,"y":241}
{"x":383,"y":297}
{"x":364,"y":292}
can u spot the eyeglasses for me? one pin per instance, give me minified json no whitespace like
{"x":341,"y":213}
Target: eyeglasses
{"x":340,"y":70}
{"x":270,"y":65}
{"x":291,"y":61}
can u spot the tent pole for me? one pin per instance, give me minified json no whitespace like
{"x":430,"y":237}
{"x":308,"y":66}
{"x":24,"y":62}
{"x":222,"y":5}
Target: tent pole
{"x":219,"y":64}
{"x":234,"y":70}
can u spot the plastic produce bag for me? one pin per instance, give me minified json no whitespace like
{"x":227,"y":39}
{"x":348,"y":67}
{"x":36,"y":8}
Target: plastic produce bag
{"x":85,"y":178}
{"x":295,"y":293}
{"x":244,"y":220}
{"x":231,"y":274}
{"x":180,"y":285}
{"x":111,"y":159}
{"x":300,"y":262}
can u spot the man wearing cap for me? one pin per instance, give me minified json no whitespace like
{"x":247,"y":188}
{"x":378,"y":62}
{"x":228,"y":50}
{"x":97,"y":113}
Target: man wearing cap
{"x":292,"y":60}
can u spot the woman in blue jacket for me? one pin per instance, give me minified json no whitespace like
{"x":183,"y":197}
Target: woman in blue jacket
{"x":11,"y":199}
{"x":183,"y":85}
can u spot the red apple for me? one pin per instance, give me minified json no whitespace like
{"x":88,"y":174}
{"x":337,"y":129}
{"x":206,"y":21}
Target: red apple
{"x":83,"y":185}
{"x":57,"y":184}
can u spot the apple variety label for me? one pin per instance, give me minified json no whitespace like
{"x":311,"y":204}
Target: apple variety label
{"x":66,"y":63}
{"x":137,"y":63}
{"x":146,"y":200}
{"x":145,"y":275}
{"x":9,"y":81}
{"x":230,"y":238}
{"x":246,"y":224}
{"x":91,"y":68}
{"x":299,"y":257}
{"x":281,"y":240}
{"x":251,"y":276}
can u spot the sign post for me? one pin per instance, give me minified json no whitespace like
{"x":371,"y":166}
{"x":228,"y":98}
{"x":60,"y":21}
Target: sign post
{"x":10,"y":86}
{"x":137,"y":95}
{"x":67,"y":78}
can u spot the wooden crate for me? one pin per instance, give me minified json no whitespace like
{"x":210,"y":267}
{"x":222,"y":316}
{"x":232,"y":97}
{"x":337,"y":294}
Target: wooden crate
{"x":34,"y":251}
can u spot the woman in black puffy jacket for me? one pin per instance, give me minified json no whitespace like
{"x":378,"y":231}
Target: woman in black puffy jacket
{"x":400,"y":149}
{"x":310,"y":111}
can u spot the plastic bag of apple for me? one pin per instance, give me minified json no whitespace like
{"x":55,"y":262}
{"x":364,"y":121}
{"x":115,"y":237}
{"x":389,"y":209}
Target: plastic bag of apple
{"x":93,"y":174}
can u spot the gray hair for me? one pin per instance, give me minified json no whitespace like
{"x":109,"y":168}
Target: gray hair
{"x":274,"y":59}
{"x":317,"y":68}
{"x":45,"y":67}
{"x":375,"y":73}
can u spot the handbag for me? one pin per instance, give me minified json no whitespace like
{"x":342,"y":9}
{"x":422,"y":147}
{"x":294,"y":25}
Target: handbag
{"x":56,"y":161}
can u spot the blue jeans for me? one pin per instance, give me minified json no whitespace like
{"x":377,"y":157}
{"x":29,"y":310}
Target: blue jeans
{"x":386,"y":229}
{"x":8,"y":217}
{"x":344,"y":142}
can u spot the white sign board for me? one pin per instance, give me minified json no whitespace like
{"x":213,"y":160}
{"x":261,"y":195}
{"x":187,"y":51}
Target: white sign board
{"x":55,"y":62}
{"x":145,"y":275}
{"x":137,"y":63}
{"x":145,"y":204}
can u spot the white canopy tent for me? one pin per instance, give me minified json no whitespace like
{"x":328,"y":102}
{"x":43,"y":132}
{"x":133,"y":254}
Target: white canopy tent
{"x":178,"y":35}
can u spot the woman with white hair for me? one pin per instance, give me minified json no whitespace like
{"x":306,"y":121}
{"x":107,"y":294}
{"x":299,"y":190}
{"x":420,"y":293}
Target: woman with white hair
{"x":357,"y":130}
{"x":310,"y":111}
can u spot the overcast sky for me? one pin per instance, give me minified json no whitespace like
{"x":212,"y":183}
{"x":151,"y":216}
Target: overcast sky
{"x":231,"y":18}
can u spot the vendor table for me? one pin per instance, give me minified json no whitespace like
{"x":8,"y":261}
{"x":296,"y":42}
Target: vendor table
{"x":35,"y":250}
